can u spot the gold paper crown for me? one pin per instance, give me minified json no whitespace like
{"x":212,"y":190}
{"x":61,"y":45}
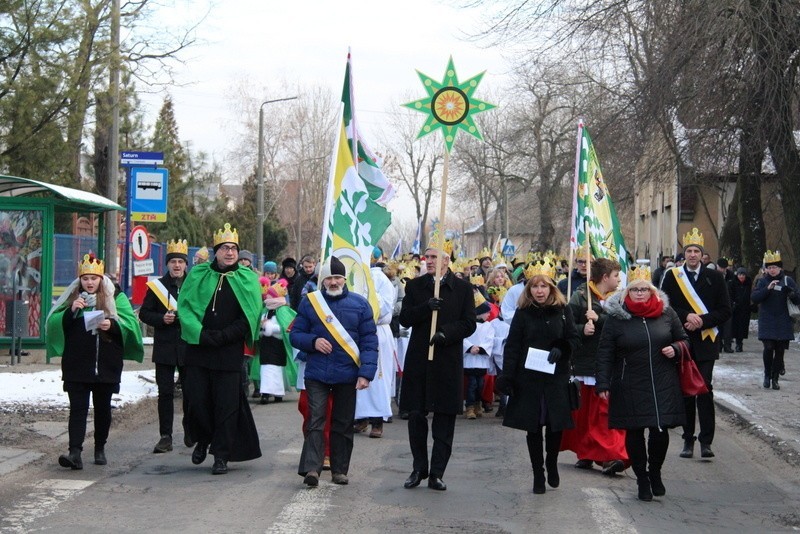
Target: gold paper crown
{"x":478,"y":297}
{"x":485,"y":253}
{"x":636,"y":274}
{"x":544,"y":267}
{"x":177,"y":247}
{"x":458,"y":265}
{"x":226,"y":235}
{"x":694,"y":238}
{"x":581,"y":251}
{"x":202,"y":253}
{"x":772,"y":257}
{"x":474,"y":262}
{"x":477,"y":280}
{"x":440,"y":242}
{"x":91,"y":265}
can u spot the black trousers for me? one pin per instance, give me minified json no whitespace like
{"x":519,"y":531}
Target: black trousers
{"x":343,"y":413}
{"x":165,"y":380}
{"x":701,"y":407}
{"x":213,"y":400}
{"x":773,"y":356}
{"x":443,"y":428}
{"x":78,"y":393}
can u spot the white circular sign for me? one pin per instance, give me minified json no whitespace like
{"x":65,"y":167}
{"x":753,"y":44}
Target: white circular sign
{"x":140,"y":243}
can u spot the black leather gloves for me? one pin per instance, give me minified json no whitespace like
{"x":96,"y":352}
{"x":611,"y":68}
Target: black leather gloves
{"x":435,"y":304}
{"x":438,"y":338}
{"x":213,"y":338}
{"x":554,"y":356}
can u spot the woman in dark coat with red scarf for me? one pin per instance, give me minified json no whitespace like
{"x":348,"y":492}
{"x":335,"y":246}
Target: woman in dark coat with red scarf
{"x":538,"y":399}
{"x":637,"y":372}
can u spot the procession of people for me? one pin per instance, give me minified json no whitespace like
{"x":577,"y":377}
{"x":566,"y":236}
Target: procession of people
{"x":572,"y":356}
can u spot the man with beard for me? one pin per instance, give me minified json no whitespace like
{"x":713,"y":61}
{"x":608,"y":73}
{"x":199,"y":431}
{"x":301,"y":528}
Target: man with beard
{"x":160,"y":310}
{"x":434,"y":385}
{"x":335,"y":333}
{"x":220,"y":306}
{"x":700,"y":297}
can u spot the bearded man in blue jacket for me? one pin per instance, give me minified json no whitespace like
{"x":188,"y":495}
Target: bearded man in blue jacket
{"x":336,"y":335}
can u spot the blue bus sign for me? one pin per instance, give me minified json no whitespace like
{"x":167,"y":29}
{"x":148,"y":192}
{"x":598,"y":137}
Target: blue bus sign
{"x":148,"y":194}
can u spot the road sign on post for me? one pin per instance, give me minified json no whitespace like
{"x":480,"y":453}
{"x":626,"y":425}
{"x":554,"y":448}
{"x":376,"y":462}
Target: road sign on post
{"x":149,"y":194}
{"x":140,"y":243}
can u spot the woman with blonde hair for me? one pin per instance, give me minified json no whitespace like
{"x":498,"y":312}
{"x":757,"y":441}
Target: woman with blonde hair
{"x":91,"y":352}
{"x":637,"y":373}
{"x":539,"y":399}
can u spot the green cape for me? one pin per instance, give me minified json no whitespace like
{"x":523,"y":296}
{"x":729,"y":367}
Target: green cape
{"x":132,"y":348}
{"x":198,"y":289}
{"x":284,"y":315}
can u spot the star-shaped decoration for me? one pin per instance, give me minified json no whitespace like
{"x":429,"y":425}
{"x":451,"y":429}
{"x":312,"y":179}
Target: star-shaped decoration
{"x":449,"y":105}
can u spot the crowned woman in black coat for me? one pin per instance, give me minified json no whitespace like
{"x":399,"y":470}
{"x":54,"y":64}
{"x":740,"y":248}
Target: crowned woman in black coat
{"x":637,"y":372}
{"x":538,"y":398}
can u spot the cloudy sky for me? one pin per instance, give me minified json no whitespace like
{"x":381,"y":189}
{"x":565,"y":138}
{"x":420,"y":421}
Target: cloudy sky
{"x":306,"y":42}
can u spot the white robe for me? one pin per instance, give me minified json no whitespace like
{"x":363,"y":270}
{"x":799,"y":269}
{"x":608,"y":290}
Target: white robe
{"x":375,"y":401}
{"x":483,"y":337}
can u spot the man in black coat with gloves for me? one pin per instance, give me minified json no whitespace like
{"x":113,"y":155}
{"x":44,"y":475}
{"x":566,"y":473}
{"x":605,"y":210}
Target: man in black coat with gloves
{"x":434,"y":385}
{"x":700,"y":297}
{"x":159,"y":310}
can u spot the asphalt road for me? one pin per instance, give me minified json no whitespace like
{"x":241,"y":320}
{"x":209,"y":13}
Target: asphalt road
{"x":746,"y":488}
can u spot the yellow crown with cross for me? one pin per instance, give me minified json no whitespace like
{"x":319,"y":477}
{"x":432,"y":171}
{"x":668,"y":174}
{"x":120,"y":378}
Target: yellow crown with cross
{"x":640,"y":273}
{"x":545,"y":267}
{"x":440,"y":242}
{"x":694,"y":238}
{"x":91,"y":265}
{"x":178,"y":247}
{"x":226,"y":235}
{"x":772,"y":257}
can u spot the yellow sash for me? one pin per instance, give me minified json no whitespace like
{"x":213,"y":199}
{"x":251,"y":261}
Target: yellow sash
{"x":162,"y":293}
{"x":334,"y":326}
{"x":694,"y":300}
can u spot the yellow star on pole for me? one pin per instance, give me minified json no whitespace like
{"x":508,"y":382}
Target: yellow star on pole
{"x":449,"y":105}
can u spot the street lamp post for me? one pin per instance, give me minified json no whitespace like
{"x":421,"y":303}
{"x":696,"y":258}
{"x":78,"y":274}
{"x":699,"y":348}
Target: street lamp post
{"x":463,"y":224}
{"x":260,"y":180}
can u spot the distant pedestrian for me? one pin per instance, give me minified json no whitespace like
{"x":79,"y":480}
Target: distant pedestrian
{"x":740,"y":288}
{"x":775,"y":326}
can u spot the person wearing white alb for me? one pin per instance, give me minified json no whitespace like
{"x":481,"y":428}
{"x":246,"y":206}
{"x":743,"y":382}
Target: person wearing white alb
{"x":374,"y":404}
{"x":477,"y":356}
{"x":509,"y":305}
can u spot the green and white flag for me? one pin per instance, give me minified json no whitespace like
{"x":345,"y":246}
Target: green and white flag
{"x":379,"y":187}
{"x":592,"y":204}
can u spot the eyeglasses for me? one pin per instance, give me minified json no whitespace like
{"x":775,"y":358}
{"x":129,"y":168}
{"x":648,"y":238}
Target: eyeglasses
{"x":639,"y":290}
{"x":228,"y":248}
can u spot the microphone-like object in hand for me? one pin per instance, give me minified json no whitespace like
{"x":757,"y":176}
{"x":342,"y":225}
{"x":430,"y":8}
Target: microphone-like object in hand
{"x":86,"y":298}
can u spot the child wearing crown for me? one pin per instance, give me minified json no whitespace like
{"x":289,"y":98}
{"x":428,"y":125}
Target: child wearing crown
{"x":275,"y":351}
{"x":91,"y":358}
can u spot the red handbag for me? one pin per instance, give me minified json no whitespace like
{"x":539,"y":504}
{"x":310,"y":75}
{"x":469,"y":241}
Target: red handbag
{"x":692,"y":382}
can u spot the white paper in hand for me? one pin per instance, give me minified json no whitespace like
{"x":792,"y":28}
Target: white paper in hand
{"x":92,"y":319}
{"x":537,"y":361}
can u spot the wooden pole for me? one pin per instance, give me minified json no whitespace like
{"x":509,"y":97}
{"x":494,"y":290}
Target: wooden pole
{"x":440,"y":245}
{"x":588,"y":263}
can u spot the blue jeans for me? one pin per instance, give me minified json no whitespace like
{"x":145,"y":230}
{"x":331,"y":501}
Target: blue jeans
{"x":474,"y":389}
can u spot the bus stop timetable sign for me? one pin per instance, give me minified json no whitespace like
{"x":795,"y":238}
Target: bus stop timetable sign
{"x":149,"y":194}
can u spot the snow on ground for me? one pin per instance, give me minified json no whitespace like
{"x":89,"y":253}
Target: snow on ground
{"x":43,"y":390}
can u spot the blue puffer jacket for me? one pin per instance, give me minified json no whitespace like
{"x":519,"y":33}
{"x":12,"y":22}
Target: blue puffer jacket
{"x":355,"y":314}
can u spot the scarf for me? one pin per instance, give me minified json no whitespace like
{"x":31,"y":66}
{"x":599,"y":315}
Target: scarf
{"x":596,"y":292}
{"x":653,"y":307}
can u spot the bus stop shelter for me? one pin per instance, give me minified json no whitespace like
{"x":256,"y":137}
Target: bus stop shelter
{"x":27,"y":218}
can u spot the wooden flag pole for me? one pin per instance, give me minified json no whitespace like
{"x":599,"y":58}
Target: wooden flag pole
{"x":440,"y":245}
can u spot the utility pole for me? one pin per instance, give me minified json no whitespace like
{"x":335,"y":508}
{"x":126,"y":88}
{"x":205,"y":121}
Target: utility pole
{"x":112,"y":219}
{"x":260,"y":180}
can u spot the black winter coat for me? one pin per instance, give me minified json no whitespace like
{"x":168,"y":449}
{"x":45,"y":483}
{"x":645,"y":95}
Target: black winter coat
{"x":643,"y":384}
{"x":712,"y":290}
{"x":90,"y":358}
{"x":229,"y":321}
{"x":437,"y":385}
{"x":168,"y":347}
{"x":774,"y":321}
{"x":583,"y":361}
{"x":544,"y":329}
{"x":740,"y":302}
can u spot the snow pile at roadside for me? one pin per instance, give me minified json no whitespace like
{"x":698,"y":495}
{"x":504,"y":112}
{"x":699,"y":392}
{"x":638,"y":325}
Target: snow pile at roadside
{"x":43,"y":390}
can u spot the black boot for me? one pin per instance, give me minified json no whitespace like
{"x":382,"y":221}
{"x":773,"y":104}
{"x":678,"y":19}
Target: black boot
{"x":766,"y":382}
{"x":688,"y":448}
{"x":100,"y":456}
{"x":643,"y":482}
{"x":775,"y":385}
{"x":535,"y":451}
{"x":657,"y":445}
{"x":739,"y":347}
{"x":71,"y":460}
{"x":553,"y":443}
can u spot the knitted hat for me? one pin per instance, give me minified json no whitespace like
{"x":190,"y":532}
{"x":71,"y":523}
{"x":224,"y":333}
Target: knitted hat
{"x":270,"y":267}
{"x":289,"y":262}
{"x":246,"y":255}
{"x":332,"y":267}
